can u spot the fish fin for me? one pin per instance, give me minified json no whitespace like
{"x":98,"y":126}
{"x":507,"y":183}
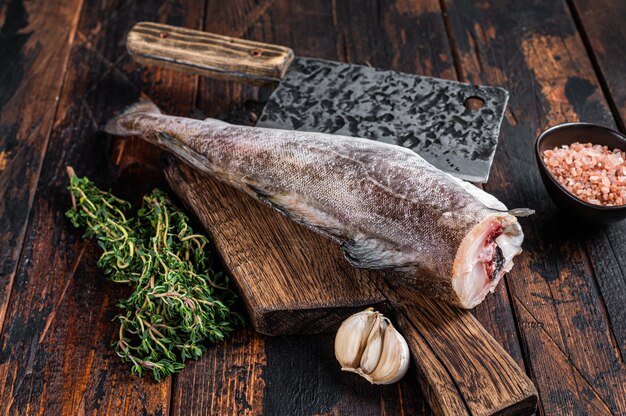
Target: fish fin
{"x":296,"y":211}
{"x":371,"y":253}
{"x":183,"y":152}
{"x":261,"y":194}
{"x":116,"y":126}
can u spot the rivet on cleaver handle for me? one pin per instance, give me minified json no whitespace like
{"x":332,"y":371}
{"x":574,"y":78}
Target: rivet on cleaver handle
{"x":209,"y":54}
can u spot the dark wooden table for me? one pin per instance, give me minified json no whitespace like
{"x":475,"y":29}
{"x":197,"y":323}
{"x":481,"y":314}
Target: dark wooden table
{"x":63,"y":70}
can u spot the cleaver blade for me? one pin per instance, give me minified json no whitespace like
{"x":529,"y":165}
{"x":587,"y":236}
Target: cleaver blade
{"x":427,"y":115}
{"x":430,"y":116}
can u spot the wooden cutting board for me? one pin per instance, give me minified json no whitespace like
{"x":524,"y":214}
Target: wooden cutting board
{"x":295,"y":281}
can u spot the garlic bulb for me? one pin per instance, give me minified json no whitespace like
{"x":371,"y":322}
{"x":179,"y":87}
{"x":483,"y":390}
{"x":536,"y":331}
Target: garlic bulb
{"x":369,"y":345}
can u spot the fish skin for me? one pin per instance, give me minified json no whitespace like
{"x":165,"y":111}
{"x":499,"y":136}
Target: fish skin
{"x":387,"y":207}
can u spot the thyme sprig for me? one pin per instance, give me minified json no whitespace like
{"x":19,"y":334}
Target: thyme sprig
{"x":178,"y":299}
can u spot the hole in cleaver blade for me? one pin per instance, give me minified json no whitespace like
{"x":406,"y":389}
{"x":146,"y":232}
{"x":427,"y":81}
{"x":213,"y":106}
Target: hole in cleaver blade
{"x":427,"y":115}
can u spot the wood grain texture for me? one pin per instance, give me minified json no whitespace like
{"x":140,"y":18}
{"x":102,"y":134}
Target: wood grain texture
{"x":227,"y":380}
{"x":240,"y":377}
{"x":484,"y":376}
{"x":533,"y":50}
{"x":33,"y":50}
{"x":602,"y":26}
{"x":209,"y":54}
{"x":56,"y":347}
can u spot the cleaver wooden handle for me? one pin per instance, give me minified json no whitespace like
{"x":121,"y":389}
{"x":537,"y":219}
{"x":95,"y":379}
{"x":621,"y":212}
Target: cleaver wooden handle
{"x":208,"y":54}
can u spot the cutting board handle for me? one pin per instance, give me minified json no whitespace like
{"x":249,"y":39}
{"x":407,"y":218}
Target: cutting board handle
{"x":208,"y":54}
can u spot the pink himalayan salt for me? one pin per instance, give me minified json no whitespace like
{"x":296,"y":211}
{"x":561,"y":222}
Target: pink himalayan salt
{"x":591,"y":172}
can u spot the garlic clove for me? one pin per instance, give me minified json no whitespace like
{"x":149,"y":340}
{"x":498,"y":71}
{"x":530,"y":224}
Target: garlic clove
{"x":351,"y":338}
{"x":394,"y":358}
{"x":374,"y":346}
{"x":369,"y":345}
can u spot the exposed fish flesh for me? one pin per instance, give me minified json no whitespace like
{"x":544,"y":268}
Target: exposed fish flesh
{"x":385,"y":205}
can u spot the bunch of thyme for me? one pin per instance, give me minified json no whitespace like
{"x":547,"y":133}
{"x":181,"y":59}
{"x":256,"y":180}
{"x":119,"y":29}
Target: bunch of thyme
{"x":178,"y":300}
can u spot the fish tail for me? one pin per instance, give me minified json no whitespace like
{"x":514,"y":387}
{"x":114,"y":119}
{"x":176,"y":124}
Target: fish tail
{"x":119,"y":125}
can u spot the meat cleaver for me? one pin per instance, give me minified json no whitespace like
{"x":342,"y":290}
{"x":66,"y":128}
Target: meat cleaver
{"x":452,"y":125}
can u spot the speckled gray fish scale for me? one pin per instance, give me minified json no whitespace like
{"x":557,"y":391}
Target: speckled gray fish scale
{"x":424,"y":114}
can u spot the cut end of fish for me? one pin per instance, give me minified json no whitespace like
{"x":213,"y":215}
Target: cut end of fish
{"x":485,"y":256}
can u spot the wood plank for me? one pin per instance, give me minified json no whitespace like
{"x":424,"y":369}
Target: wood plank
{"x":602,"y":27}
{"x":316,"y":386}
{"x":128,"y":160}
{"x":602,"y":24}
{"x":227,"y":380}
{"x":233,"y":378}
{"x":403,"y":35}
{"x":56,"y":353}
{"x":487,"y":379}
{"x":607,"y":252}
{"x":33,"y":51}
{"x":533,"y":49}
